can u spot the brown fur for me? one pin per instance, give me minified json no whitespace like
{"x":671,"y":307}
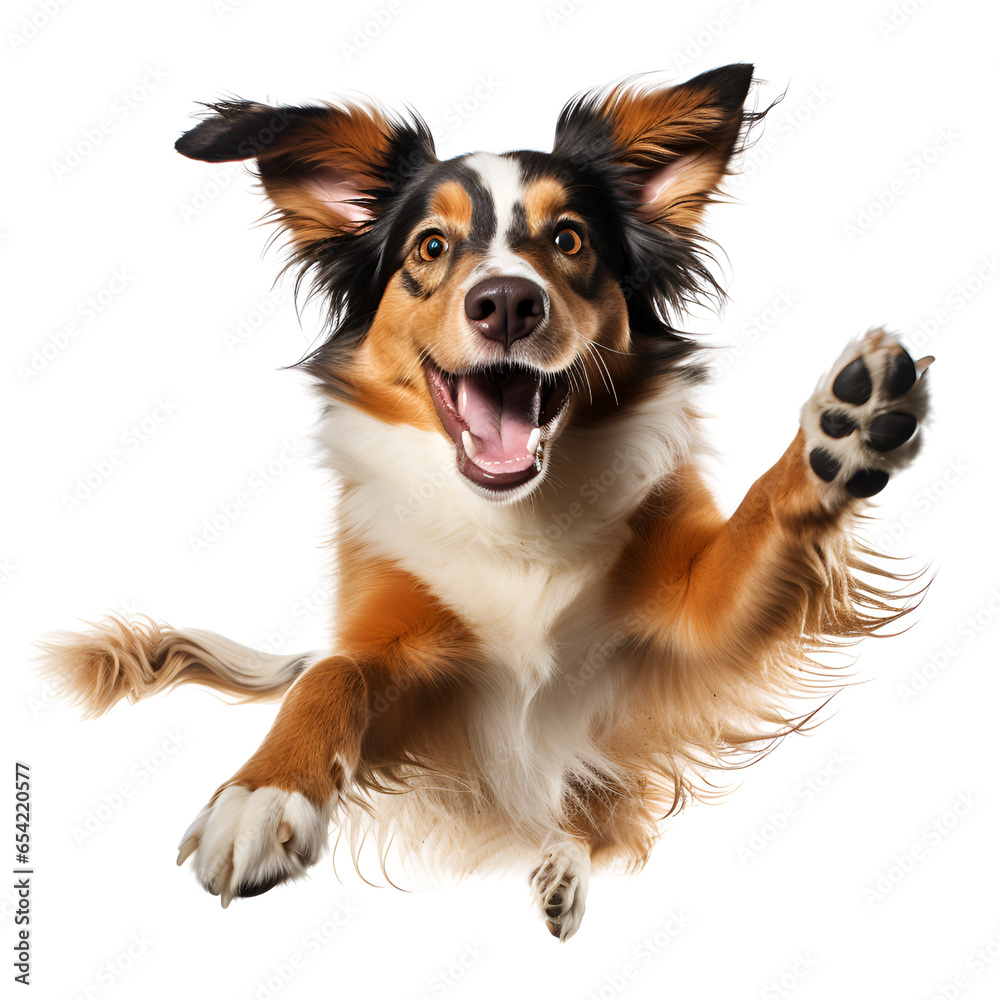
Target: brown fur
{"x":658,"y":128}
{"x":345,"y":143}
{"x":452,"y":206}
{"x":544,"y":202}
{"x":315,"y":741}
{"x":381,"y":707}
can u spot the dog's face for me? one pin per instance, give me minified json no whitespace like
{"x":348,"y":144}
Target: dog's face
{"x":501,"y":304}
{"x":494,"y":299}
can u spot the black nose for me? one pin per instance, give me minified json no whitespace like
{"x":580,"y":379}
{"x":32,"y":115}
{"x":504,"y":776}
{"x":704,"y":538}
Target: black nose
{"x":505,"y":309}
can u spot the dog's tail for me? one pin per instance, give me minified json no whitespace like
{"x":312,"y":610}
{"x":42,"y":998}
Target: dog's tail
{"x":132,"y":658}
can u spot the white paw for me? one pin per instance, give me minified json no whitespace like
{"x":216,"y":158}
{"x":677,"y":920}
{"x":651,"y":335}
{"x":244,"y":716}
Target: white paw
{"x":559,"y":887}
{"x":863,"y":421}
{"x":245,"y":843}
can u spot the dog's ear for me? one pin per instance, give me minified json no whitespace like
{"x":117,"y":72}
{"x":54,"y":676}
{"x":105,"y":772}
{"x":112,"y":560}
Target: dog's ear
{"x":329,"y":170}
{"x":671,"y":146}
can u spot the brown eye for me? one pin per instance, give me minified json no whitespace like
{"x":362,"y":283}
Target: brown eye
{"x":568,"y":240}
{"x":431,"y":247}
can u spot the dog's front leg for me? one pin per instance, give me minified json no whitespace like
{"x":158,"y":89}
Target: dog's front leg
{"x":732,"y":597}
{"x":270,"y":821}
{"x":403,"y":663}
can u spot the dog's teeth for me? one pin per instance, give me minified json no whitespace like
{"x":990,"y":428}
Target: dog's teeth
{"x":533,"y":438}
{"x":469,"y":444}
{"x":463,"y":400}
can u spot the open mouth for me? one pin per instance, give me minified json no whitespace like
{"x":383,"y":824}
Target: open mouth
{"x":499,"y":418}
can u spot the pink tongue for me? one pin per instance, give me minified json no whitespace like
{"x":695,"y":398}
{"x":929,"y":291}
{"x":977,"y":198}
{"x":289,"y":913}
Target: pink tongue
{"x":501,"y":416}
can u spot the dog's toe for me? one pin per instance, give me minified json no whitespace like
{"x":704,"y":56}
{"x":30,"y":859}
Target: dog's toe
{"x":559,"y":888}
{"x":854,"y":383}
{"x":245,"y":843}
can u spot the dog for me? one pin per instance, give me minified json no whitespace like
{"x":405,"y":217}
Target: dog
{"x":546,"y":637}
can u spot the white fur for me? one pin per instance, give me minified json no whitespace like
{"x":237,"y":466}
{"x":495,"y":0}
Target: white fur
{"x":246,"y":667}
{"x":502,"y":178}
{"x":509,"y":570}
{"x":246,"y":837}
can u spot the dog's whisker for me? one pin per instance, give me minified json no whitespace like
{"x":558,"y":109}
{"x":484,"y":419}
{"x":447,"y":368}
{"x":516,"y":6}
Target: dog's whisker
{"x":611,"y":350}
{"x":604,"y":372}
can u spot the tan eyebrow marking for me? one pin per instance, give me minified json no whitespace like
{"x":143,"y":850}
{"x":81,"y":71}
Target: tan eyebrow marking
{"x":452,"y":204}
{"x":544,"y":200}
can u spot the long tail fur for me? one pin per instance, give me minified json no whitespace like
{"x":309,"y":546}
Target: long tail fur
{"x":133,"y":658}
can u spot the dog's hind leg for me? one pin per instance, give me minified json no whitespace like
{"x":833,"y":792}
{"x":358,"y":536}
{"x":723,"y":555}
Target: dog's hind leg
{"x":134,"y":658}
{"x":559,"y":885}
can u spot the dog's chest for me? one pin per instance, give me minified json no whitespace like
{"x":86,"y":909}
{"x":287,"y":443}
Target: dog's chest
{"x":527,"y":579}
{"x":524,"y":604}
{"x":527,"y":613}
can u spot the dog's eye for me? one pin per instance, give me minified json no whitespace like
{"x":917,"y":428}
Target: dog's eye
{"x":431,"y":247}
{"x":568,"y":240}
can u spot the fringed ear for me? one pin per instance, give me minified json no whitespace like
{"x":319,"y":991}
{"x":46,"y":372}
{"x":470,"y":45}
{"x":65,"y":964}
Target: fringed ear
{"x":672,"y":146}
{"x":328,"y":170}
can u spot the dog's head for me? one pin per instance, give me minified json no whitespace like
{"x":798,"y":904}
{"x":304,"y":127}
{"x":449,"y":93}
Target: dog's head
{"x":494,"y":298}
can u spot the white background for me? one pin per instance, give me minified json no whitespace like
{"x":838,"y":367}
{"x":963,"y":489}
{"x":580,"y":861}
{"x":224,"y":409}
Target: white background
{"x":882,"y":99}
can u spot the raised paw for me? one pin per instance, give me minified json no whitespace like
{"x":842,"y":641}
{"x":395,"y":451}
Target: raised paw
{"x":559,"y":887}
{"x":862,"y":423}
{"x":245,"y":843}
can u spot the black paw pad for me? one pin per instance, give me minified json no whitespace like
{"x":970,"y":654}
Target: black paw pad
{"x":867,"y":483}
{"x":900,"y":374}
{"x":853,"y":384}
{"x":258,"y":888}
{"x":837,"y":425}
{"x":890,"y":430}
{"x":824,"y":464}
{"x":554,"y":908}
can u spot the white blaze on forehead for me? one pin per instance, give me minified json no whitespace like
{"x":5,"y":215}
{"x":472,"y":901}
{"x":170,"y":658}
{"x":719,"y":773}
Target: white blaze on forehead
{"x":501,"y":177}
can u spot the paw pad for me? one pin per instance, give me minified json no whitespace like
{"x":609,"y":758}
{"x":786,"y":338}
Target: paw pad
{"x":837,"y":425}
{"x":853,"y":384}
{"x":890,"y":430}
{"x":867,"y":483}
{"x":861,"y":424}
{"x":900,"y":374}
{"x":824,"y":464}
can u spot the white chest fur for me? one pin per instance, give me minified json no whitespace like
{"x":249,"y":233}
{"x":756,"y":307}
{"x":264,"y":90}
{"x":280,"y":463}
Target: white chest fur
{"x":509,"y":571}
